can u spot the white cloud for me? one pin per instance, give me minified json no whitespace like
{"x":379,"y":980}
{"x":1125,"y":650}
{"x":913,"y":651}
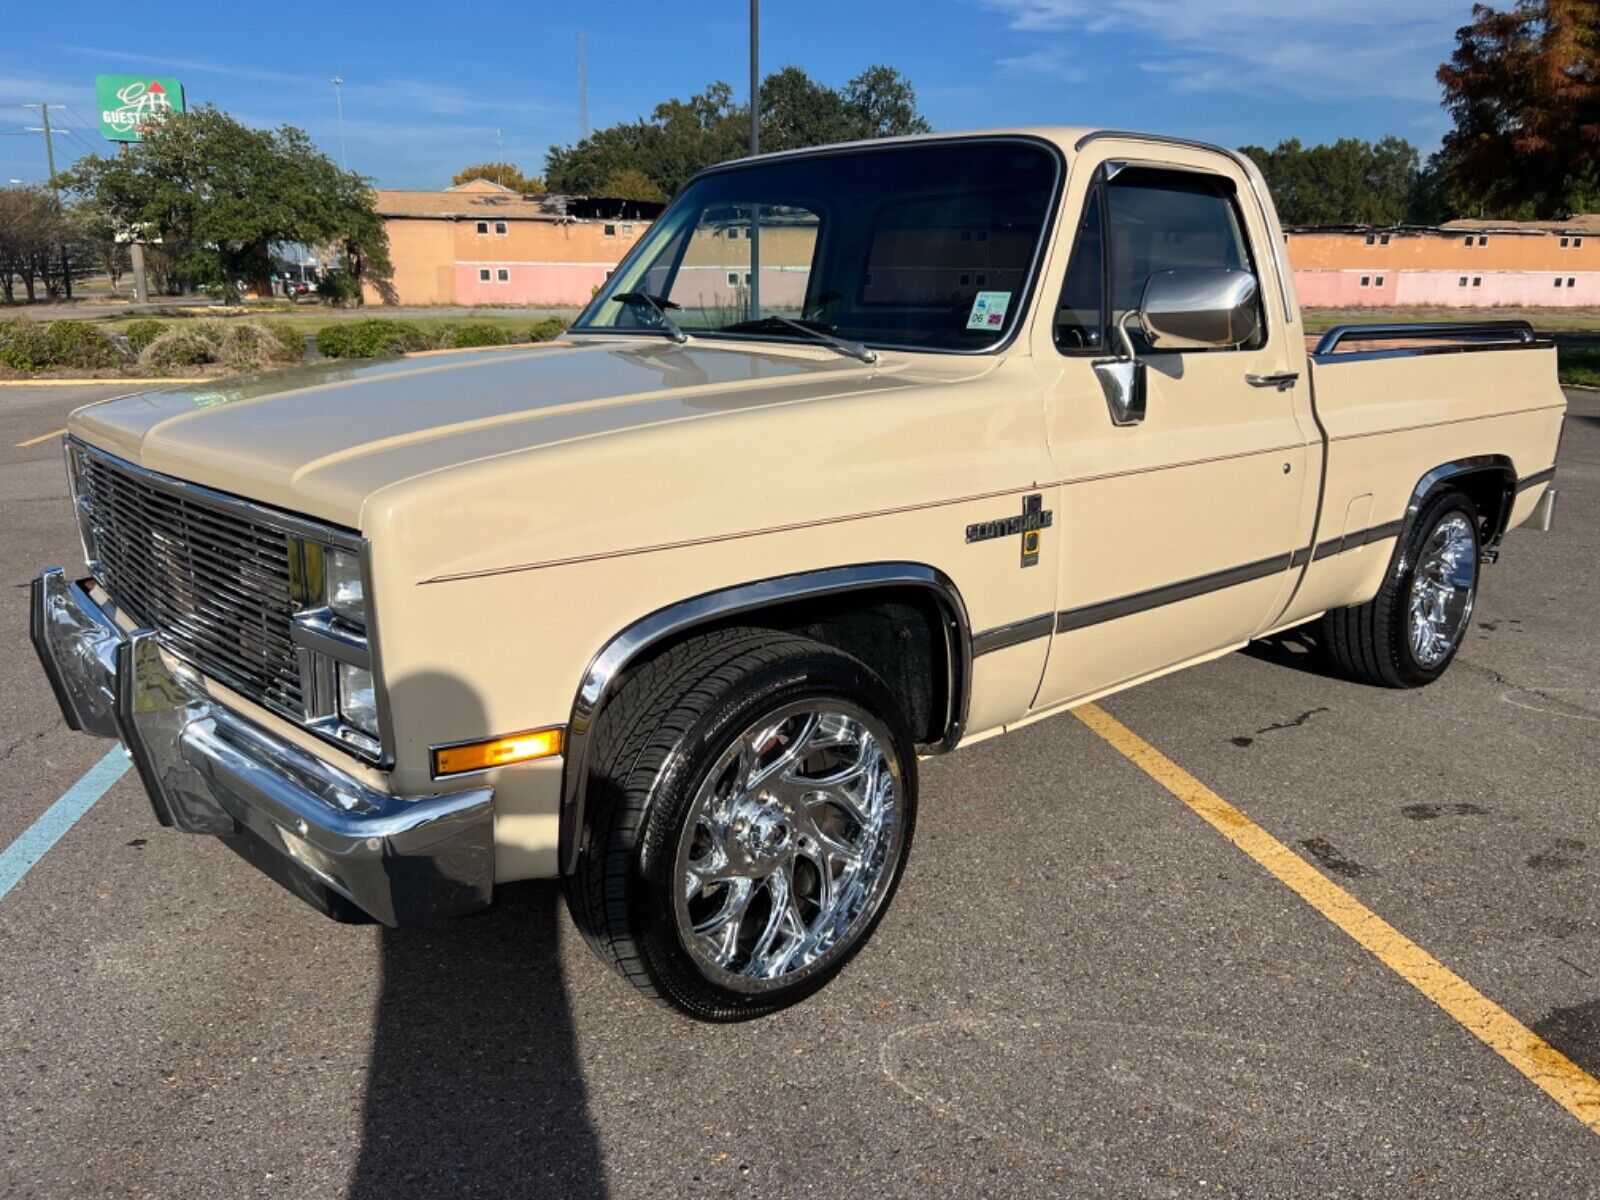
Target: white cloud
{"x":1053,"y":62}
{"x":1316,"y":49}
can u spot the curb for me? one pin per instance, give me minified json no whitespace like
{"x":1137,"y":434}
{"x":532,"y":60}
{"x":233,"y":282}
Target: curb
{"x":5,"y":383}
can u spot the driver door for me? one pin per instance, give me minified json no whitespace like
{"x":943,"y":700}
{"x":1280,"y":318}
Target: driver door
{"x":1178,"y":532}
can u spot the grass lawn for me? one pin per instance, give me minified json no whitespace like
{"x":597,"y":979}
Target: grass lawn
{"x":1550,"y":320}
{"x":1581,"y":367}
{"x":311,"y":319}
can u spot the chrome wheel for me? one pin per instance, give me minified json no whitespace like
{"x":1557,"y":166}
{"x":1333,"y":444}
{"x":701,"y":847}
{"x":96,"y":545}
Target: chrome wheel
{"x":1442,"y":590}
{"x":789,"y":846}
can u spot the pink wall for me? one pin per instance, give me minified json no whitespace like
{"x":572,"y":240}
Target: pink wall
{"x":1523,"y":289}
{"x":1442,"y":289}
{"x":781,"y":287}
{"x":558,"y":285}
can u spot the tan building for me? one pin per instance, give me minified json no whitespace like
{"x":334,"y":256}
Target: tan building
{"x":480,"y":243}
{"x":1462,"y":264}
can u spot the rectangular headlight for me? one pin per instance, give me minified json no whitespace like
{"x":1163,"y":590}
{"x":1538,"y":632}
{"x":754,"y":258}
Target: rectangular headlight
{"x":331,"y":632}
{"x":358,"y":699}
{"x":342,"y":581}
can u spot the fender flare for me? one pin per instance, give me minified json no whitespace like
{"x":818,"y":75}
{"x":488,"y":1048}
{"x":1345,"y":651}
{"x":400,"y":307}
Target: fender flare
{"x":1445,"y":474}
{"x":608,"y":665}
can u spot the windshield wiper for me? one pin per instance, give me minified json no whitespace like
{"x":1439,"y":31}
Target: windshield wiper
{"x":842,"y":345}
{"x":659,"y":304}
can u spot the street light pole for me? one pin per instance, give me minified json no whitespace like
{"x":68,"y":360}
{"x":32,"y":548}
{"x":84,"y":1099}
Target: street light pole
{"x":55,"y":189}
{"x":338,"y":100}
{"x":755,"y":148}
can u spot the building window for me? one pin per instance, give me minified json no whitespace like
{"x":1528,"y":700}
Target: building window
{"x":610,"y":230}
{"x":1384,"y":240}
{"x":1572,"y":281}
{"x":1463,"y":282}
{"x":1483,"y":241}
{"x":733,"y":233}
{"x":747,"y":279}
{"x":982,"y":279}
{"x":965,"y":280}
{"x":483,"y":227}
{"x":1576,"y":242}
{"x":503,"y":274}
{"x":1477,"y":281}
{"x":1565,"y":242}
{"x":1372,"y":239}
{"x":733,"y":279}
{"x":1379,"y":281}
{"x":1366,"y":281}
{"x":1469,"y":239}
{"x":500,"y":228}
{"x":483,"y":274}
{"x":627,"y":231}
{"x":1558,"y":281}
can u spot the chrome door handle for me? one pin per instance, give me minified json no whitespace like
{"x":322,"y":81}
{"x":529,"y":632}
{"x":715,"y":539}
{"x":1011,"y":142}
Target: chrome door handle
{"x":1283,"y":380}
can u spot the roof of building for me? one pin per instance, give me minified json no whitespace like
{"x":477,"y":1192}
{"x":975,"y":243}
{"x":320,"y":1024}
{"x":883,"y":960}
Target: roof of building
{"x":1578,"y":223}
{"x":1582,"y":223}
{"x":464,"y":203}
{"x":481,"y":185}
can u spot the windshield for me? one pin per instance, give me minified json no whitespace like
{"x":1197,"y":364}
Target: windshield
{"x":928,"y":247}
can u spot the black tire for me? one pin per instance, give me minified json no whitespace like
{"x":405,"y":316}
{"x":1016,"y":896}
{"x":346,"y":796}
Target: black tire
{"x":1370,"y":642}
{"x":655,"y":744}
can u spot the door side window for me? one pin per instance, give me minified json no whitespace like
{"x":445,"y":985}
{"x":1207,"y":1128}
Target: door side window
{"x":1080,"y":317}
{"x":1142,"y":221}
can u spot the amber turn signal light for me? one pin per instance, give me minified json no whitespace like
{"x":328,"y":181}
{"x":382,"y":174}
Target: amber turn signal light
{"x":498,"y":752}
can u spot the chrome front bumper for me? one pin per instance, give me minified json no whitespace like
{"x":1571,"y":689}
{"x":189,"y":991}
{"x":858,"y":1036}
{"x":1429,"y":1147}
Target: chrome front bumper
{"x":208,"y":770}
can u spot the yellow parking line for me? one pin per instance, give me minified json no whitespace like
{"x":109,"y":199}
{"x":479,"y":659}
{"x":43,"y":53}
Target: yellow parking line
{"x":43,"y":437}
{"x":1568,"y":1084}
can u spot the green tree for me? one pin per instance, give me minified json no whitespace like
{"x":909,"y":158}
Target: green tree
{"x":1347,"y":182}
{"x":30,"y":230}
{"x":882,"y":103}
{"x":1523,"y":89}
{"x":99,"y":240}
{"x":505,"y":174}
{"x":220,"y":194}
{"x":630,"y":183}
{"x":681,"y":137}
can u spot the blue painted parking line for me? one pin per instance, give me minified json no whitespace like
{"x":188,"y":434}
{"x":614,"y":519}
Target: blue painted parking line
{"x":35,"y":842}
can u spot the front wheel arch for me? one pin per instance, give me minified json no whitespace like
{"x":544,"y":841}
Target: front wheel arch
{"x":783,"y":598}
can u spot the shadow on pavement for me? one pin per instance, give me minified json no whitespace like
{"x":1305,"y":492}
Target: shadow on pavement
{"x":1297,"y":649}
{"x":474,"y":1087}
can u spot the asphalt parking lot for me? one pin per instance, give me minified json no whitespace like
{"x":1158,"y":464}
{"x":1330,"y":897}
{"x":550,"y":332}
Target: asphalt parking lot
{"x":1082,"y":989}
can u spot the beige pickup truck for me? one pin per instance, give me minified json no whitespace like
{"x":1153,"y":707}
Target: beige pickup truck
{"x":864,"y":454}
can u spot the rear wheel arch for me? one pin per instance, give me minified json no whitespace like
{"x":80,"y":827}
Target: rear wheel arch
{"x":906,"y":621}
{"x":1488,"y":480}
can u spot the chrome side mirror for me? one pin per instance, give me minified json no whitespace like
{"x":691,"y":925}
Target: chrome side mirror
{"x":1198,"y":309}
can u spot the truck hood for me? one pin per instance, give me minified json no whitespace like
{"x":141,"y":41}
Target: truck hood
{"x":320,"y":439}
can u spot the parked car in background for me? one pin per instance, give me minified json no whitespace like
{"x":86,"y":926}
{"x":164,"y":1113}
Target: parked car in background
{"x":863,"y":454}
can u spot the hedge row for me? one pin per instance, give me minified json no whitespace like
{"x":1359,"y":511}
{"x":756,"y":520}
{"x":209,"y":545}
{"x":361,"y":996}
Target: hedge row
{"x":381,"y":335}
{"x":35,"y":346}
{"x":30,"y":346}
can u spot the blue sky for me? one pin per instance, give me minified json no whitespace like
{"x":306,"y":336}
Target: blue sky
{"x":427,"y":85}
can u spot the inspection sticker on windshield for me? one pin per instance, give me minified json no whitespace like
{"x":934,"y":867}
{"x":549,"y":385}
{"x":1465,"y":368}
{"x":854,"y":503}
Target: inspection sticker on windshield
{"x":989,"y":310}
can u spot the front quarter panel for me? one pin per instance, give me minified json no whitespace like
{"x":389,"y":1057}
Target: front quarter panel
{"x":498,"y":582}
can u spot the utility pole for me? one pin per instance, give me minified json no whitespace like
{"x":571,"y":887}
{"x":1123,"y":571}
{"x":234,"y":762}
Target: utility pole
{"x":583,"y":88}
{"x":141,"y":288}
{"x":755,"y":148}
{"x":55,"y":190}
{"x":338,"y":100}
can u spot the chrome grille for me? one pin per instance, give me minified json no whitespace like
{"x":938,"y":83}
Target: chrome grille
{"x":212,"y":582}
